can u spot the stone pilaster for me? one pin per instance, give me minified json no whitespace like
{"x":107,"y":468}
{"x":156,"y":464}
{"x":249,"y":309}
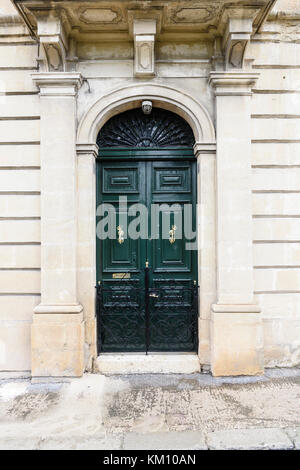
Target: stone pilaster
{"x":58,"y":328}
{"x":86,"y":243}
{"x":206,"y":162}
{"x":236,"y":327}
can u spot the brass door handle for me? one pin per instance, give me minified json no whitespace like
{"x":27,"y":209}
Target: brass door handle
{"x":172,"y":234}
{"x":120,"y":234}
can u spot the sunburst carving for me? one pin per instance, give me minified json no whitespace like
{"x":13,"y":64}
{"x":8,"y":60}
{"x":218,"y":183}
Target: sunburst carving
{"x":135,"y":129}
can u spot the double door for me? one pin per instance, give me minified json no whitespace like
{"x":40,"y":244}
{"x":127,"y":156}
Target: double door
{"x":146,"y":256}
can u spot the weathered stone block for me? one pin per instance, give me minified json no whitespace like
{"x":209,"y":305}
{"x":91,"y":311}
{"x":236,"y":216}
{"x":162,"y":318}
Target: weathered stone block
{"x":236,"y":344}
{"x":57,"y":346}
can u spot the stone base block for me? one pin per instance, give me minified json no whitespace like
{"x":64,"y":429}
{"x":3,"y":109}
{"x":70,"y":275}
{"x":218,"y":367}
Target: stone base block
{"x":236,"y":342}
{"x":57,"y":342}
{"x":126,"y":363}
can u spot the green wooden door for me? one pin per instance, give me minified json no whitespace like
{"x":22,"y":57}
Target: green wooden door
{"x":164,"y":183}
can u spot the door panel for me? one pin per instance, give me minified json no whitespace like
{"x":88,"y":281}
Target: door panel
{"x":173,"y":268}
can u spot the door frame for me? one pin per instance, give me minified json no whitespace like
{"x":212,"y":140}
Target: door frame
{"x":196,"y":115}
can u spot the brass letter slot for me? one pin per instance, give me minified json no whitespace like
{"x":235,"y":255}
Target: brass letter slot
{"x":121,"y":275}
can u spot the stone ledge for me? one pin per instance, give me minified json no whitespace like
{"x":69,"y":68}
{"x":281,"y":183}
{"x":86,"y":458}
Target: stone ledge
{"x":151,"y":364}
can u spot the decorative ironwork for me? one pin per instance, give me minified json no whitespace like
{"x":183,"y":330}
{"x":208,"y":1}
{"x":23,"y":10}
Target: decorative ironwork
{"x":135,"y":318}
{"x":133,"y":128}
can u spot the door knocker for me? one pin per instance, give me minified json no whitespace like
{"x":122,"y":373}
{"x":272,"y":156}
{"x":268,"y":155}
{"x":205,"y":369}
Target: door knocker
{"x":172,"y":234}
{"x":120,"y":234}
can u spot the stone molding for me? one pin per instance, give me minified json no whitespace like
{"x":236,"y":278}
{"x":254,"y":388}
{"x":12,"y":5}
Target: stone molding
{"x":57,"y":83}
{"x":233,"y":83}
{"x":87,"y":150}
{"x":132,"y":95}
{"x":200,"y":148}
{"x":64,"y":308}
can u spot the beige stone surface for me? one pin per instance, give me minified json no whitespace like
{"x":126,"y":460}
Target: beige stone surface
{"x":283,"y":305}
{"x":19,"y":131}
{"x":19,"y":155}
{"x":276,"y":203}
{"x":280,"y":129}
{"x":57,"y":346}
{"x":283,"y":53}
{"x":20,"y":231}
{"x":236,"y":344}
{"x":279,"y":79}
{"x":68,"y":182}
{"x":286,"y":229}
{"x":20,"y":256}
{"x":19,"y":205}
{"x":284,"y":179}
{"x":184,"y":363}
{"x":275,"y":154}
{"x":17,"y":307}
{"x":273,"y":104}
{"x":18,"y":81}
{"x":10,"y":56}
{"x":20,"y":281}
{"x":15,"y":351}
{"x":272,"y":279}
{"x":16,"y":106}
{"x":277,"y":254}
{"x":20,"y":180}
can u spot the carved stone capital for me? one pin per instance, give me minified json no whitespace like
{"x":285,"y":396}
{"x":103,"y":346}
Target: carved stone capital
{"x":204,"y":148}
{"x":57,"y":83}
{"x":88,"y":150}
{"x":231,"y":83}
{"x":144,"y":37}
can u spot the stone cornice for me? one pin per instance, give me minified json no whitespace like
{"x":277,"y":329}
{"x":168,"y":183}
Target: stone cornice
{"x":87,"y":150}
{"x":187,"y":19}
{"x":57,"y":83}
{"x":233,"y":83}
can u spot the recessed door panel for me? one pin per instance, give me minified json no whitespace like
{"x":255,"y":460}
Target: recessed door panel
{"x":120,"y":180}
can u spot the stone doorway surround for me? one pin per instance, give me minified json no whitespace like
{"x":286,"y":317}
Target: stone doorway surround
{"x":64,"y":327}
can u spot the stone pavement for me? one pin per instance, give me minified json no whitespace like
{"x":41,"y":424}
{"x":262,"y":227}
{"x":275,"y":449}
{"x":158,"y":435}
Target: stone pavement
{"x":152,"y":412}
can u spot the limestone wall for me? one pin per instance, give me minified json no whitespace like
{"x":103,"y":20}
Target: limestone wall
{"x":276,"y":184}
{"x":107,"y":66}
{"x":19,"y":191}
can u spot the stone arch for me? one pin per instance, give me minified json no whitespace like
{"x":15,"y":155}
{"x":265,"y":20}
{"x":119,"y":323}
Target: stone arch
{"x":131,"y":96}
